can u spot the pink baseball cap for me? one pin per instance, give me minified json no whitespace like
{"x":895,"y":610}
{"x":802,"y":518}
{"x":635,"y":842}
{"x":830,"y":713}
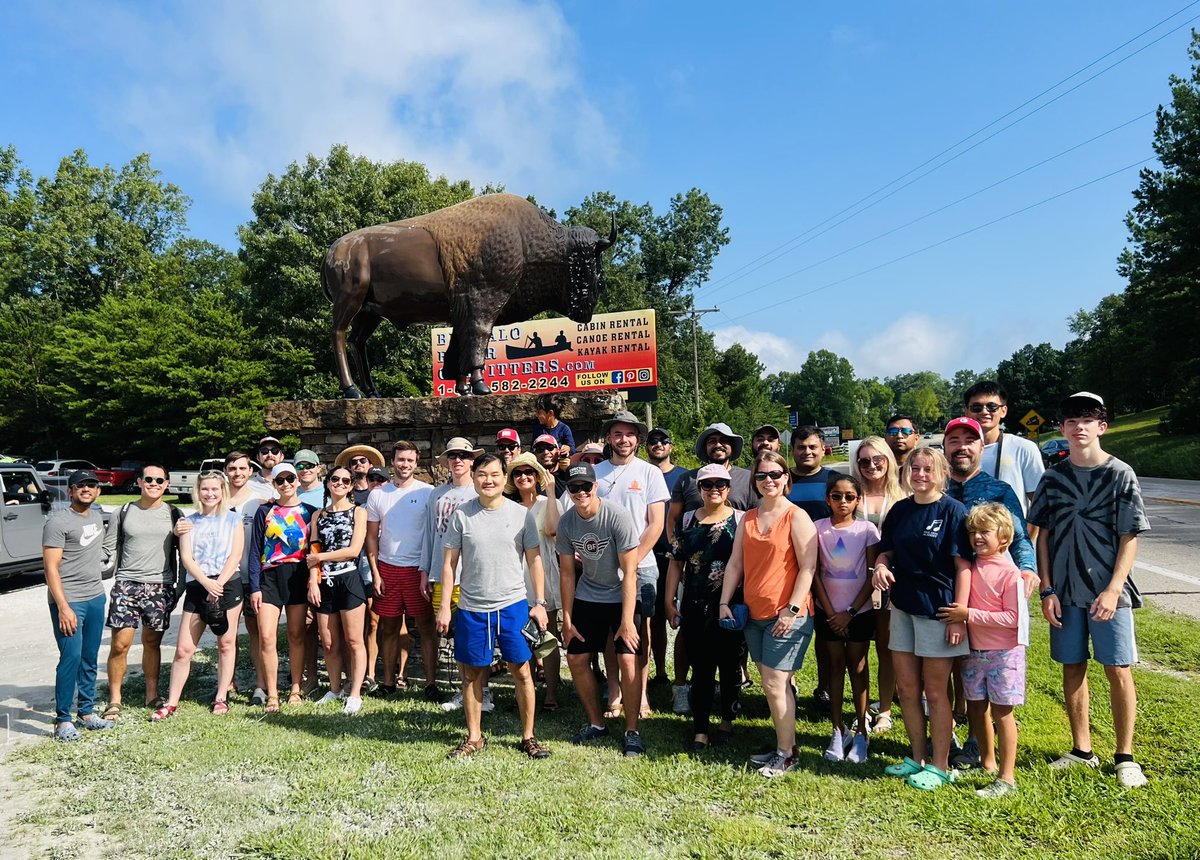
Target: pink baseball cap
{"x":508,"y":435}
{"x":545,"y":439}
{"x":970,"y":423}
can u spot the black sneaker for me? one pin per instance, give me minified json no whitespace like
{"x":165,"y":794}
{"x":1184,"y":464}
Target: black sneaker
{"x":634,"y":748}
{"x":383,"y":691}
{"x":433,"y":693}
{"x":821,"y":700}
{"x":589,"y":733}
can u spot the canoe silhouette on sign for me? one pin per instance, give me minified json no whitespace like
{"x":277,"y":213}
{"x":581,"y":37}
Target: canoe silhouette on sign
{"x":533,"y":351}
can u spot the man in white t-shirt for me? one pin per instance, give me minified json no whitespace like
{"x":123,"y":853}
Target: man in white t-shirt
{"x":1013,"y":459}
{"x":395,"y":525}
{"x":638,"y":487}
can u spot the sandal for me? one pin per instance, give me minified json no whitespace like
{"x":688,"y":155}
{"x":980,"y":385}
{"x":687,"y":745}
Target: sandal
{"x":220,"y":706}
{"x":295,"y":698}
{"x":272,"y":705}
{"x":113,"y":711}
{"x":156,"y":703}
{"x":882,"y":724}
{"x":930,"y":778}
{"x":162,"y":712}
{"x":615,"y":712}
{"x":908,"y":767}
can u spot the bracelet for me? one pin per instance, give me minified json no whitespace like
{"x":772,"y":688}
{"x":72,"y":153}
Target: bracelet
{"x":719,"y":605}
{"x":1047,"y":592}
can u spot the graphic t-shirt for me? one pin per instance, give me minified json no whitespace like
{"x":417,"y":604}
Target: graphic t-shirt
{"x":285,"y":534}
{"x":493,"y":543}
{"x":211,"y":540}
{"x":808,"y":492}
{"x":924,"y":540}
{"x":146,"y":544}
{"x":598,"y":544}
{"x":1086,"y":510}
{"x":843,"y":556}
{"x":634,"y":486}
{"x":442,"y":502}
{"x":85,"y":548}
{"x":335,"y":529}
{"x":400,"y":512}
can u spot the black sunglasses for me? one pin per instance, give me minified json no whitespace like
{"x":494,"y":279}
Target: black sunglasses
{"x":591,"y":459}
{"x":341,"y":479}
{"x":148,"y":480}
{"x":543,"y":448}
{"x":270,"y":449}
{"x":574,"y":489}
{"x":523,"y":473}
{"x":658,"y":440}
{"x":843,"y":497}
{"x":459,"y":455}
{"x":714,"y":485}
{"x":762,"y":476}
{"x":357,"y":460}
{"x":376,"y":479}
{"x":992,"y":408}
{"x":284,"y":479}
{"x":507,"y":446}
{"x":87,"y":485}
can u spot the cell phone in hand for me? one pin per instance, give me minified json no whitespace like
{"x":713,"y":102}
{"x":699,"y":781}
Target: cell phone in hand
{"x":532,"y":634}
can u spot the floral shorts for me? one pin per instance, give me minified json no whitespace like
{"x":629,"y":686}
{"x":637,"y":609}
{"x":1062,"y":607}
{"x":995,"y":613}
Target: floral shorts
{"x":995,"y":676}
{"x":131,"y":603}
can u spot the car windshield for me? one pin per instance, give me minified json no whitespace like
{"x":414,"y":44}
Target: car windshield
{"x":44,"y":466}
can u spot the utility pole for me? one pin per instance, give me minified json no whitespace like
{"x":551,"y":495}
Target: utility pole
{"x":695,"y":314}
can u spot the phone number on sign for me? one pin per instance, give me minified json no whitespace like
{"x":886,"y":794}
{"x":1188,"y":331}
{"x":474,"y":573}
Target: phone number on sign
{"x":508,"y":386}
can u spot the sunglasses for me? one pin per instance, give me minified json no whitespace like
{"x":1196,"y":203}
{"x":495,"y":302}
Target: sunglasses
{"x":507,"y":446}
{"x":844,"y":497}
{"x":658,"y":440}
{"x":576,"y":489}
{"x":523,"y":473}
{"x":341,"y":479}
{"x":306,"y":466}
{"x":591,"y":459}
{"x":355,"y":461}
{"x":542,"y":449}
{"x":270,"y":449}
{"x":992,"y":408}
{"x":774,"y":476}
{"x":877,"y":460}
{"x":900,"y":431}
{"x":149,"y":480}
{"x":376,"y":480}
{"x":284,"y":479}
{"x":714,"y":485}
{"x":88,"y":485}
{"x":459,"y":455}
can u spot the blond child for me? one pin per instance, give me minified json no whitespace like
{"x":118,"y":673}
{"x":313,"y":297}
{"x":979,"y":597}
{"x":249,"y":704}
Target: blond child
{"x":997,"y":619}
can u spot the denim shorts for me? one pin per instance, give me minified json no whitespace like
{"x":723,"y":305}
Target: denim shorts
{"x":781,"y":653}
{"x":1113,"y":642}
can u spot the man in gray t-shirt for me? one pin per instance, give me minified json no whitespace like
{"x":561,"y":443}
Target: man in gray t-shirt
{"x":75,"y":549}
{"x":143,"y":591}
{"x":491,"y":535}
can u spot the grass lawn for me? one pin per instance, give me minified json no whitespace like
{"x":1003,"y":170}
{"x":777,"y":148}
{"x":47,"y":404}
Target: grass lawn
{"x":316,"y":784}
{"x":1135,"y":439}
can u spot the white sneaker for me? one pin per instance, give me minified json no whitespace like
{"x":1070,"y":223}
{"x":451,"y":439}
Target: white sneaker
{"x":353,"y":705}
{"x":1069,"y":759}
{"x":683,"y":697}
{"x":780,"y":764}
{"x":488,"y":705}
{"x":1129,"y":775}
{"x":454,"y":704}
{"x":858,"y":749}
{"x":836,"y":751}
{"x":329,"y":698}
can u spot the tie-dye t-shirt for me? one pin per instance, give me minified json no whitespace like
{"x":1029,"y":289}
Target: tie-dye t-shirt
{"x":286,"y":535}
{"x":843,"y":551}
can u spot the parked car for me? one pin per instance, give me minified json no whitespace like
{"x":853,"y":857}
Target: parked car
{"x":27,"y":501}
{"x":1055,"y":451}
{"x":124,"y":476}
{"x":183,"y":480}
{"x":55,"y":472}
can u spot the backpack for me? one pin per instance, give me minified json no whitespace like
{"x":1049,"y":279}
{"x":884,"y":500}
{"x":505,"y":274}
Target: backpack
{"x":176,"y":586}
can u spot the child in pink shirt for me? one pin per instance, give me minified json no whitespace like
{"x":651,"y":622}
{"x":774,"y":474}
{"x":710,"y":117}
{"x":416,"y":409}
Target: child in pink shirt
{"x":997,"y":619}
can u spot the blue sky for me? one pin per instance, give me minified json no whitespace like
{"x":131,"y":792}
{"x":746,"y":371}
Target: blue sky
{"x":787,"y":114}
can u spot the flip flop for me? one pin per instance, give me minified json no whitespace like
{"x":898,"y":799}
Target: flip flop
{"x":908,"y":767}
{"x":550,"y":707}
{"x":930,"y":778}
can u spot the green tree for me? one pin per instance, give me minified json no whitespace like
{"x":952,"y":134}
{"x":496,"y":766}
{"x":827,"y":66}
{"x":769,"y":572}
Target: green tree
{"x":949,"y":401}
{"x":1163,"y":262}
{"x":923,"y":405}
{"x":824,"y":391}
{"x":1101,"y":357}
{"x":1035,"y":377}
{"x":879,"y":405}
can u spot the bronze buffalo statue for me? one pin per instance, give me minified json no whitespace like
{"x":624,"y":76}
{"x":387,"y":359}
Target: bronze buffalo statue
{"x":492,"y":260}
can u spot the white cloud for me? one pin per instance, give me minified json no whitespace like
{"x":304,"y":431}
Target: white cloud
{"x":912,"y":342}
{"x":486,"y":91}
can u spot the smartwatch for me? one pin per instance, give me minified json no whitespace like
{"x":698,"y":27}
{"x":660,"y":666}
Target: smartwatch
{"x":851,"y":611}
{"x":794,"y":609}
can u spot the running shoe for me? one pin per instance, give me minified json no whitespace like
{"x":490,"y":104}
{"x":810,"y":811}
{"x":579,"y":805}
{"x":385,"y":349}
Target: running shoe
{"x":836,"y":751}
{"x":455,"y":702}
{"x":858,"y":749}
{"x":781,"y":764}
{"x":634,"y":748}
{"x":353,"y":705}
{"x":682,"y":702}
{"x":589,"y":733}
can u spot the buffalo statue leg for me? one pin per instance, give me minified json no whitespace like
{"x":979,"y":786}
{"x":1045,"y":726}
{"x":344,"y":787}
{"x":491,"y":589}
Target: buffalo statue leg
{"x":361,"y":329}
{"x":478,"y":331}
{"x":349,"y":391}
{"x":346,"y":282}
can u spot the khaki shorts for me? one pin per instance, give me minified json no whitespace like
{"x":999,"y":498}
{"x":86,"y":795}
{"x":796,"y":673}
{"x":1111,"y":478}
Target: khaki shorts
{"x":923,"y":637}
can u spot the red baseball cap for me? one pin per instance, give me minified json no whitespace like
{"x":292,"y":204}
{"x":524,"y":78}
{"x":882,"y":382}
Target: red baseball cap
{"x":508,"y":435}
{"x":970,"y":423}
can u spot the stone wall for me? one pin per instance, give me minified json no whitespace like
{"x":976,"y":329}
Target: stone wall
{"x":328,"y":426}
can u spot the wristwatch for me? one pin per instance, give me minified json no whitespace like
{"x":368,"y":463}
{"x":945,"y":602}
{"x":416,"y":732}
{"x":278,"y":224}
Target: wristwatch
{"x":1046,"y":592}
{"x":851,"y":611}
{"x":794,"y":609}
{"x":539,"y":602}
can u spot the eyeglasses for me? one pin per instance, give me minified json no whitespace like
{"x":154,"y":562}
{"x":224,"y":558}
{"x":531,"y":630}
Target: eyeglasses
{"x":714,"y":485}
{"x":591,"y":459}
{"x":523,"y":473}
{"x":355,"y":461}
{"x":900,"y":431}
{"x":877,"y":460}
{"x":211,"y":473}
{"x":341,"y":479}
{"x":284,"y":479}
{"x":306,"y":466}
{"x":377,"y":480}
{"x":977,"y":408}
{"x":146,"y":479}
{"x":844,"y":497}
{"x":507,"y":446}
{"x":542,"y":449}
{"x":774,"y":476}
{"x":270,"y":449}
{"x":459,"y":455}
{"x":576,"y":489}
{"x":88,"y":485}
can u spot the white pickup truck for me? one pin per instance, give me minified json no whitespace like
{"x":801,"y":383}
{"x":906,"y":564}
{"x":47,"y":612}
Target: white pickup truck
{"x":183,"y":481}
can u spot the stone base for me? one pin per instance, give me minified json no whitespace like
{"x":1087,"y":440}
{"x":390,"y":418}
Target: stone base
{"x":328,"y":426}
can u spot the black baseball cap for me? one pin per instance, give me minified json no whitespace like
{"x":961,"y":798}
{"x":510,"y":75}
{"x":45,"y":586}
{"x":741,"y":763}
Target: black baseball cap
{"x":659,"y":431}
{"x":81,"y":475}
{"x":377,"y":474}
{"x":581,"y":472}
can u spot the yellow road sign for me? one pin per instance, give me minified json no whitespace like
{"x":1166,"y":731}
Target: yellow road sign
{"x":1032,"y":421}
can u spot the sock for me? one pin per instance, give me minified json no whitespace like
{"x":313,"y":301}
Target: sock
{"x":1080,"y":753}
{"x":1121,"y":758}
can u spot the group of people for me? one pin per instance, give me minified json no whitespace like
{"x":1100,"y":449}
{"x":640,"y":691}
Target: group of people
{"x":594,"y":551}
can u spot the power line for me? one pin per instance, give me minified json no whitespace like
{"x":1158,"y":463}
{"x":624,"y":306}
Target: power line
{"x":784,"y":248}
{"x":946,"y":206}
{"x":947,"y":240}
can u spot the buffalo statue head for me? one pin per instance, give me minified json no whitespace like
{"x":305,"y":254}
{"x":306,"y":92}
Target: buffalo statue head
{"x":585,"y":269}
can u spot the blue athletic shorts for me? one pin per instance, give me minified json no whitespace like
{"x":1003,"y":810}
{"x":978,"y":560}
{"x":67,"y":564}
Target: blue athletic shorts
{"x":1113,"y":642}
{"x":476,"y":635}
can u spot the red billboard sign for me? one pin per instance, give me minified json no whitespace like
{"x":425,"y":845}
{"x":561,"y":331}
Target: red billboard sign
{"x":616,"y":350}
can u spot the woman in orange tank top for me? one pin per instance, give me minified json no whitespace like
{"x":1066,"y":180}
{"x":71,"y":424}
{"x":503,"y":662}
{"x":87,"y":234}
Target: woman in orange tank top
{"x":775,"y":557}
